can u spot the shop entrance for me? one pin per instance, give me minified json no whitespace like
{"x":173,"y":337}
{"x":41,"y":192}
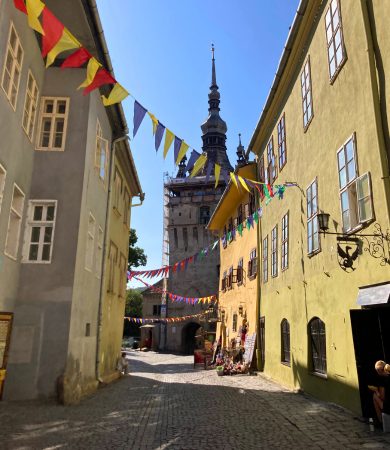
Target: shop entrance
{"x":5,"y":335}
{"x":188,"y":338}
{"x":371,"y":338}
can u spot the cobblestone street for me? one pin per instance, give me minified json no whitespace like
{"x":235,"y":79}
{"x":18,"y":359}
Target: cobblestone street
{"x":165,"y":404}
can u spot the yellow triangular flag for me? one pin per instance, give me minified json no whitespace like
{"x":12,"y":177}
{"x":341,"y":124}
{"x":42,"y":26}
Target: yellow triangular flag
{"x":154,"y":122}
{"x":242,"y":181}
{"x":117,"y":94}
{"x":199,"y":163}
{"x":217,"y":171}
{"x":92,"y":68}
{"x":183,"y":150}
{"x":169,"y":137}
{"x":67,"y":42}
{"x":233,"y":178}
{"x":34,"y":10}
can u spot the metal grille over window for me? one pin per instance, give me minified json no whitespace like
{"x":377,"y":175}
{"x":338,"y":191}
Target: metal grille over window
{"x":285,"y":332}
{"x":41,"y":231}
{"x":334,"y":37}
{"x":318,"y":345}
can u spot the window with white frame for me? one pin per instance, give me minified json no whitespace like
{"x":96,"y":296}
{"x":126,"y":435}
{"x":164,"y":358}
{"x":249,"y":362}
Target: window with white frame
{"x":313,"y":240}
{"x":53,"y":123}
{"x":118,"y":188}
{"x":40,"y":231}
{"x":101,"y":153}
{"x":271,"y":169}
{"x":334,"y":38}
{"x":282,"y":142}
{"x":265,"y":259}
{"x":112,"y":262}
{"x":355,"y":191}
{"x":122,"y":276}
{"x":3,"y":174}
{"x":126,"y":208}
{"x":99,"y":253}
{"x":307,"y":100}
{"x":89,"y":253}
{"x":30,"y":106}
{"x":284,"y":248}
{"x":14,"y":223}
{"x":12,"y":67}
{"x":274,"y":252}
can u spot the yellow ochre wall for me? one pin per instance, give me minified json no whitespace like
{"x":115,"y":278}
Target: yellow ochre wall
{"x":316,"y":286}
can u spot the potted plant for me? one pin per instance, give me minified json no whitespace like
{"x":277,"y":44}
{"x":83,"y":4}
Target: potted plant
{"x":220,"y":370}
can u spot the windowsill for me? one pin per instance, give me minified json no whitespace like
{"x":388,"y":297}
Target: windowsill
{"x":14,"y":258}
{"x":252,"y":277}
{"x":116,"y":211}
{"x":239,"y":283}
{"x":324,"y":376}
{"x":305,"y":128}
{"x":359,"y":227}
{"x":314,"y":253}
{"x":26,"y":261}
{"x":283,"y":269}
{"x":285,"y":363}
{"x":49,"y":149}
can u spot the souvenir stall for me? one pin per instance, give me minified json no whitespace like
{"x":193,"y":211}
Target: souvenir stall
{"x":204,"y":348}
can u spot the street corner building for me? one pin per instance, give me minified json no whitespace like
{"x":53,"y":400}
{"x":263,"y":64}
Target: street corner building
{"x":323,"y":259}
{"x":67,"y":185}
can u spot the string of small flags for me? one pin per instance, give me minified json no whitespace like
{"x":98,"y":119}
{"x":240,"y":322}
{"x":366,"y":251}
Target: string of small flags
{"x":179,"y":298}
{"x":162,"y":319}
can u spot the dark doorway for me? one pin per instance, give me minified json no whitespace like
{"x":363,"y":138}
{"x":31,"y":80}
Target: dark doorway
{"x":188,"y":338}
{"x":371,"y":338}
{"x":262,"y":342}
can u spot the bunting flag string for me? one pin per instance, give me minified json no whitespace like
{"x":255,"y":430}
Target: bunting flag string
{"x":179,"y":298}
{"x":163,"y":319}
{"x":56,"y":39}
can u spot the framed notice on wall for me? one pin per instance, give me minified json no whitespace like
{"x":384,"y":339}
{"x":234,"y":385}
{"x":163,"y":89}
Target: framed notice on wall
{"x":249,"y":346}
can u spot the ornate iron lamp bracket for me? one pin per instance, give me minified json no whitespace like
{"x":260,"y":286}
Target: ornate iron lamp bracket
{"x":379,"y":244}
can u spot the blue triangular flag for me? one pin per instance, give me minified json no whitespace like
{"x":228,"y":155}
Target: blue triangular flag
{"x":139,"y":114}
{"x":158,"y":136}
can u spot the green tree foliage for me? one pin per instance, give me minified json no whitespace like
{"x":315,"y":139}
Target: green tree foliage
{"x":133,"y":303}
{"x":137,"y":255}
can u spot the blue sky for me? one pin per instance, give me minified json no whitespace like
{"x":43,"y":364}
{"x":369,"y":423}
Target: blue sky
{"x":160,"y":50}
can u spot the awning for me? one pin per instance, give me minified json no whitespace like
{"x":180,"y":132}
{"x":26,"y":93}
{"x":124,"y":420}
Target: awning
{"x":374,"y":295}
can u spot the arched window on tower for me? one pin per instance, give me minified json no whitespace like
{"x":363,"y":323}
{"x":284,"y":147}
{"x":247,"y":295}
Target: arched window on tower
{"x":204,"y":215}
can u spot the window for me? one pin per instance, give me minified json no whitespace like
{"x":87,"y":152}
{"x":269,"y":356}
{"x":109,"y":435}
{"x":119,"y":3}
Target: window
{"x":14,"y":223}
{"x":252,"y":264}
{"x":313,"y":240}
{"x":240,"y":272}
{"x":230,"y":230}
{"x":195,"y":235}
{"x":126,"y":208}
{"x":122,"y":276}
{"x":185,"y":238}
{"x":282,"y":142}
{"x":40,"y":231}
{"x":175,"y":238}
{"x":271,"y":169}
{"x":334,"y":38}
{"x":284,"y":242}
{"x":3,"y":175}
{"x":265,"y":259}
{"x":355,"y":192}
{"x":30,"y":106}
{"x":99,"y":253}
{"x":285,"y":335}
{"x":224,"y":237}
{"x":90,"y":242}
{"x":12,"y":67}
{"x":234,"y":323}
{"x":239,"y":214}
{"x":274,"y":252}
{"x":118,"y":188}
{"x":156,"y":310}
{"x":318,"y":345}
{"x":223,"y":284}
{"x":87,"y":329}
{"x":261,"y":175}
{"x":252,"y":204}
{"x":101,"y":154}
{"x":112,"y":261}
{"x":204,"y":215}
{"x":229,"y":282}
{"x":307,"y":101}
{"x":53,"y":123}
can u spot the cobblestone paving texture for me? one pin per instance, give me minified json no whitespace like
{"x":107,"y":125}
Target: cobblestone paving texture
{"x":165,"y":404}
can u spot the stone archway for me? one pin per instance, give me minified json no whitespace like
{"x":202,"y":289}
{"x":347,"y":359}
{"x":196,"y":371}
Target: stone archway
{"x":188,"y":337}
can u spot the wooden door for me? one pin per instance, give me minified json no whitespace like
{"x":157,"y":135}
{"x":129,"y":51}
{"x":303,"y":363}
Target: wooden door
{"x":5,"y":335}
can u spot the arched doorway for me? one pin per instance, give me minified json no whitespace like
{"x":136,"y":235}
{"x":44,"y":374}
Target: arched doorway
{"x":188,"y":337}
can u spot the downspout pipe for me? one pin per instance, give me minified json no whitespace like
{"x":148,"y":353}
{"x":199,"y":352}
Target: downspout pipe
{"x":104,"y":252}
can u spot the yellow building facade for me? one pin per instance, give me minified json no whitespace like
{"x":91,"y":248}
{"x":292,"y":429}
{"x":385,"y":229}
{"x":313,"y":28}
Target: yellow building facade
{"x":124,"y":186}
{"x":238,"y":257}
{"x":323,"y":301}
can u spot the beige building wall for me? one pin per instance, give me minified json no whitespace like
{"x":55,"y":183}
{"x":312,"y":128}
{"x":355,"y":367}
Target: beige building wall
{"x":314,"y":285}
